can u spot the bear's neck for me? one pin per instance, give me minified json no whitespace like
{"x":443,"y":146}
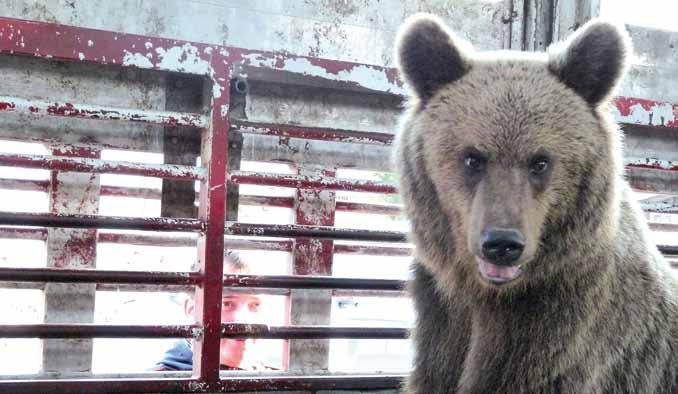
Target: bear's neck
{"x":530,"y":332}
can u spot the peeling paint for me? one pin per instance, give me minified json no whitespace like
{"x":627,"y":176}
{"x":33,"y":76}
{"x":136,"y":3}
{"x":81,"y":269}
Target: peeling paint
{"x":77,"y":164}
{"x":370,"y":77}
{"x":645,"y":112}
{"x":136,"y":60}
{"x":183,"y":59}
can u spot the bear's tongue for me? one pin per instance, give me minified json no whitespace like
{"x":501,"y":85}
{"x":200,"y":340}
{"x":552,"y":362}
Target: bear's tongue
{"x":497,"y":273}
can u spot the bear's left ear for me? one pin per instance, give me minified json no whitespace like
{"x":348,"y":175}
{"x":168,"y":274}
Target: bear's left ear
{"x":592,"y":60}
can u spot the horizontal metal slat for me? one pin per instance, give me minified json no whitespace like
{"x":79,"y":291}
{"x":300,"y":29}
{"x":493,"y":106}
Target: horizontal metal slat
{"x":78,"y":164}
{"x":230,"y":330}
{"x":303,"y":231}
{"x":310,"y":182}
{"x":85,"y":111}
{"x":93,"y":221}
{"x":230,"y":384}
{"x":98,"y":276}
{"x":311,"y":282}
{"x":312,"y":133}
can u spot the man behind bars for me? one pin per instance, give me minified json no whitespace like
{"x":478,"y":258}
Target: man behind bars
{"x":236,"y":308}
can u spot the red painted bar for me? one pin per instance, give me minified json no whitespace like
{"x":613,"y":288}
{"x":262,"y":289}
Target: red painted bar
{"x":212,"y":211}
{"x":303,"y":231}
{"x":98,"y":276}
{"x":310,"y":182}
{"x":228,"y":385}
{"x":24,"y":184}
{"x":169,"y":171}
{"x":92,"y":221}
{"x":38,"y":234}
{"x":312,"y":133}
{"x":50,"y":108}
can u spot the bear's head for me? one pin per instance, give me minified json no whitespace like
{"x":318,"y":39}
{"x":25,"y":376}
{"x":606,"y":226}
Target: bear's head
{"x":508,"y":159}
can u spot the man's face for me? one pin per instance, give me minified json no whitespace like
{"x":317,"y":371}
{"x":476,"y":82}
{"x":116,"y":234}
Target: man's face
{"x":235,"y":308}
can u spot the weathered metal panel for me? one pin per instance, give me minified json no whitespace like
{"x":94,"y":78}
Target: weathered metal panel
{"x":322,"y":28}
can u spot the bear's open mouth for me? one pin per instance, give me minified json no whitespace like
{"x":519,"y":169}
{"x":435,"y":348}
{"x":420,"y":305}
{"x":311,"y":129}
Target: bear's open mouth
{"x":497,"y":274}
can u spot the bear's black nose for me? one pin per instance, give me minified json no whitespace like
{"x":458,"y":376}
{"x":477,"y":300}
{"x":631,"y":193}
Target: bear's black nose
{"x":501,"y":246}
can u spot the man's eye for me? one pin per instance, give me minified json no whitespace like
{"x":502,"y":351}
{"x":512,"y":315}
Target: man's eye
{"x":229,"y":305}
{"x":254,"y":306}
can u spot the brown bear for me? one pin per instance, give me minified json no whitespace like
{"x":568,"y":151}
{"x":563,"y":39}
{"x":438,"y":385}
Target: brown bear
{"x":533,"y":272}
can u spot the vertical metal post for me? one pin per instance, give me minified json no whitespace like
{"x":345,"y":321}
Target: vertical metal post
{"x":180,"y":146}
{"x":312,"y":257}
{"x":211,"y":242}
{"x":71,"y":193}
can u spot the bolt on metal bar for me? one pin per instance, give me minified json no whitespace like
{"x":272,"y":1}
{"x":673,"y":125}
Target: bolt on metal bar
{"x":51,"y":108}
{"x":78,"y":164}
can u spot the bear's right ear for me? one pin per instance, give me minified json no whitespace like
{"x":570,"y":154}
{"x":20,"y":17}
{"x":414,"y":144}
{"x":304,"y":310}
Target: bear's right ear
{"x":428,"y":55}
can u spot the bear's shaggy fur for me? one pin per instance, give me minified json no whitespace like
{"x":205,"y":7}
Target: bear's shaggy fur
{"x":523,"y":144}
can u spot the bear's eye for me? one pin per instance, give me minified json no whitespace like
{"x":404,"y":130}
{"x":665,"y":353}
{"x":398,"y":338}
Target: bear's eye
{"x":539,"y":165}
{"x":474,"y":162}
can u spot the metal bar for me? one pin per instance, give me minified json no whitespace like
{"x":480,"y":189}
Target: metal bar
{"x":169,"y":171}
{"x":651,"y":163}
{"x":96,"y":331}
{"x":24,"y":184}
{"x":312,"y":133}
{"x":311,"y":282}
{"x":383,"y":209}
{"x":669,"y":250}
{"x":147,"y":240}
{"x":136,"y":192}
{"x":50,"y":108}
{"x":38,"y":234}
{"x":268,"y":201}
{"x":93,"y":221}
{"x":310,"y":182}
{"x":231,"y":330}
{"x":212,"y":211}
{"x":229,"y":385}
{"x":302,"y":231}
{"x":310,"y":332}
{"x":372,"y":250}
{"x":98,"y":276}
{"x":664,"y":227}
